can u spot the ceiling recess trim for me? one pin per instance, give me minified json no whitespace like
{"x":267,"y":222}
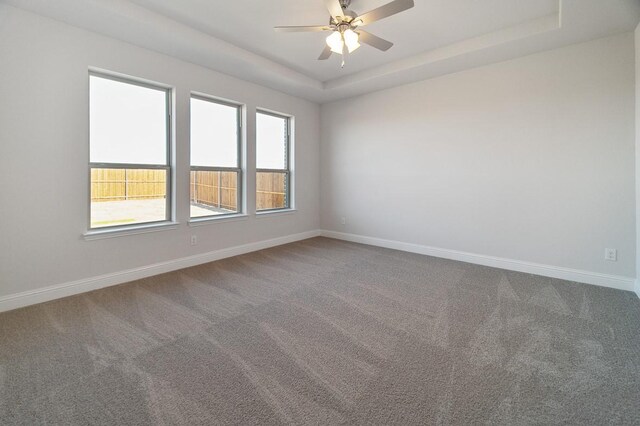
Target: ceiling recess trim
{"x":507,"y":35}
{"x":128,"y":22}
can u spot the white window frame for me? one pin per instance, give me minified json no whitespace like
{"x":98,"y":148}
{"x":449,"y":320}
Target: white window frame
{"x":239,"y":165}
{"x":168,"y":167}
{"x":287,"y":160}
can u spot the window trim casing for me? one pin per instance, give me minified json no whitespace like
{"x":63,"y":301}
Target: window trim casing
{"x":169,"y":166}
{"x":288,"y":193}
{"x":239,"y":169}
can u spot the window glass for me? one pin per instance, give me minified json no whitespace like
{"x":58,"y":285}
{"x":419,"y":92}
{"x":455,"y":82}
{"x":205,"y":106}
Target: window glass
{"x":272,"y":162}
{"x":127,"y":196}
{"x":271,"y":142}
{"x":214,"y":134}
{"x":128,"y":123}
{"x":215,"y":163}
{"x":213,"y":193}
{"x":271,"y":190}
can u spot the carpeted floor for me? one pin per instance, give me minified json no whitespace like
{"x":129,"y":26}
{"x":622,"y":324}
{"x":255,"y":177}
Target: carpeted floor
{"x":326,"y":332}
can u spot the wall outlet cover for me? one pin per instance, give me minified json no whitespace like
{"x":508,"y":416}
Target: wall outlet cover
{"x":611,"y":255}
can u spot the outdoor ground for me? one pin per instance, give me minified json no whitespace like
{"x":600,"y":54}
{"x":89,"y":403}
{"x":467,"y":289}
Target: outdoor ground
{"x":113,"y":213}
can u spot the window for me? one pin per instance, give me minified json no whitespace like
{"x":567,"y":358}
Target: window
{"x":216,"y":173}
{"x":273,"y":175}
{"x":129,"y":152}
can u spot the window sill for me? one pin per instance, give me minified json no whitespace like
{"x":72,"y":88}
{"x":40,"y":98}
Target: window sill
{"x":100,"y":234}
{"x":209,"y":220}
{"x":271,"y":213}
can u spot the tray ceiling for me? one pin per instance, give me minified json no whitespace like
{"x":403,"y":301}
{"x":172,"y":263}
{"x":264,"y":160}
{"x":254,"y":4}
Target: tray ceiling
{"x":436,"y":37}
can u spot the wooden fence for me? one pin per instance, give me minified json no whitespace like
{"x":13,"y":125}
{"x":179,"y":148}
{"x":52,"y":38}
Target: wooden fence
{"x":270,"y":191}
{"x":127,"y":184}
{"x":216,"y":189}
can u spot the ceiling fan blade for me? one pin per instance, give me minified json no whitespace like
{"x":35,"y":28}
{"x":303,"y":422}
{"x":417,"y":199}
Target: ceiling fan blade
{"x":296,"y":29}
{"x":334,"y":7}
{"x":385,"y":11}
{"x":325,"y":54}
{"x":375,"y":41}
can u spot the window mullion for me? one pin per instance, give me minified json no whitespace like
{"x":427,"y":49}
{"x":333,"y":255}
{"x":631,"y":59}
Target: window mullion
{"x":128,"y":166}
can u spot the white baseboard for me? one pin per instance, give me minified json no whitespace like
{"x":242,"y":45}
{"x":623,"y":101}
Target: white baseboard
{"x":595,"y":278}
{"x":58,"y":291}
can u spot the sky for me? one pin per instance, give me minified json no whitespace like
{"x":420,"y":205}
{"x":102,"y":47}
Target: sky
{"x":270,"y":142}
{"x":128,"y":125}
{"x":214,"y":134}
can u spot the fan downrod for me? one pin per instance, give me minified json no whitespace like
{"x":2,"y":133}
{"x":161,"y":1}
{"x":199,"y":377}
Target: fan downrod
{"x":348,"y":15}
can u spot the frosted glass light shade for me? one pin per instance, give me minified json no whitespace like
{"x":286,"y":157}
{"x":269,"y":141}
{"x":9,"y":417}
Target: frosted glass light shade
{"x":335,"y":42}
{"x":351,"y":40}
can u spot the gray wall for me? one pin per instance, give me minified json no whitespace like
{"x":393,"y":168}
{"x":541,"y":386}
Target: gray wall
{"x":531,"y":159}
{"x":44,"y":155}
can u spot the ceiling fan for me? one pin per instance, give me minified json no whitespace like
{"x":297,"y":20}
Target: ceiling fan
{"x":345,"y":24}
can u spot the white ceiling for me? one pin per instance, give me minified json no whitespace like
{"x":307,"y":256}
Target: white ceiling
{"x":436,"y":37}
{"x":430,"y":24}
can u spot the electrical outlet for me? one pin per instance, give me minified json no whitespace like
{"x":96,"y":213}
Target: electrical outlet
{"x":194,"y":240}
{"x":611,"y":255}
{"x":343,"y":220}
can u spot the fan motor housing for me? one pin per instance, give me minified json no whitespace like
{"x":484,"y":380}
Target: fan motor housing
{"x":347,"y":18}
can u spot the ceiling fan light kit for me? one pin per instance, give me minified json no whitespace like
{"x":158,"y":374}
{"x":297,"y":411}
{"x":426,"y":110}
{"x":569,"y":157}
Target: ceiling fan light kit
{"x":338,"y":40}
{"x":344,"y":25}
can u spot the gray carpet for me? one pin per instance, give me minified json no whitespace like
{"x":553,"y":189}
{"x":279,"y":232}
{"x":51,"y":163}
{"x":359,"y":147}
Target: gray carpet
{"x":326,"y":332}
